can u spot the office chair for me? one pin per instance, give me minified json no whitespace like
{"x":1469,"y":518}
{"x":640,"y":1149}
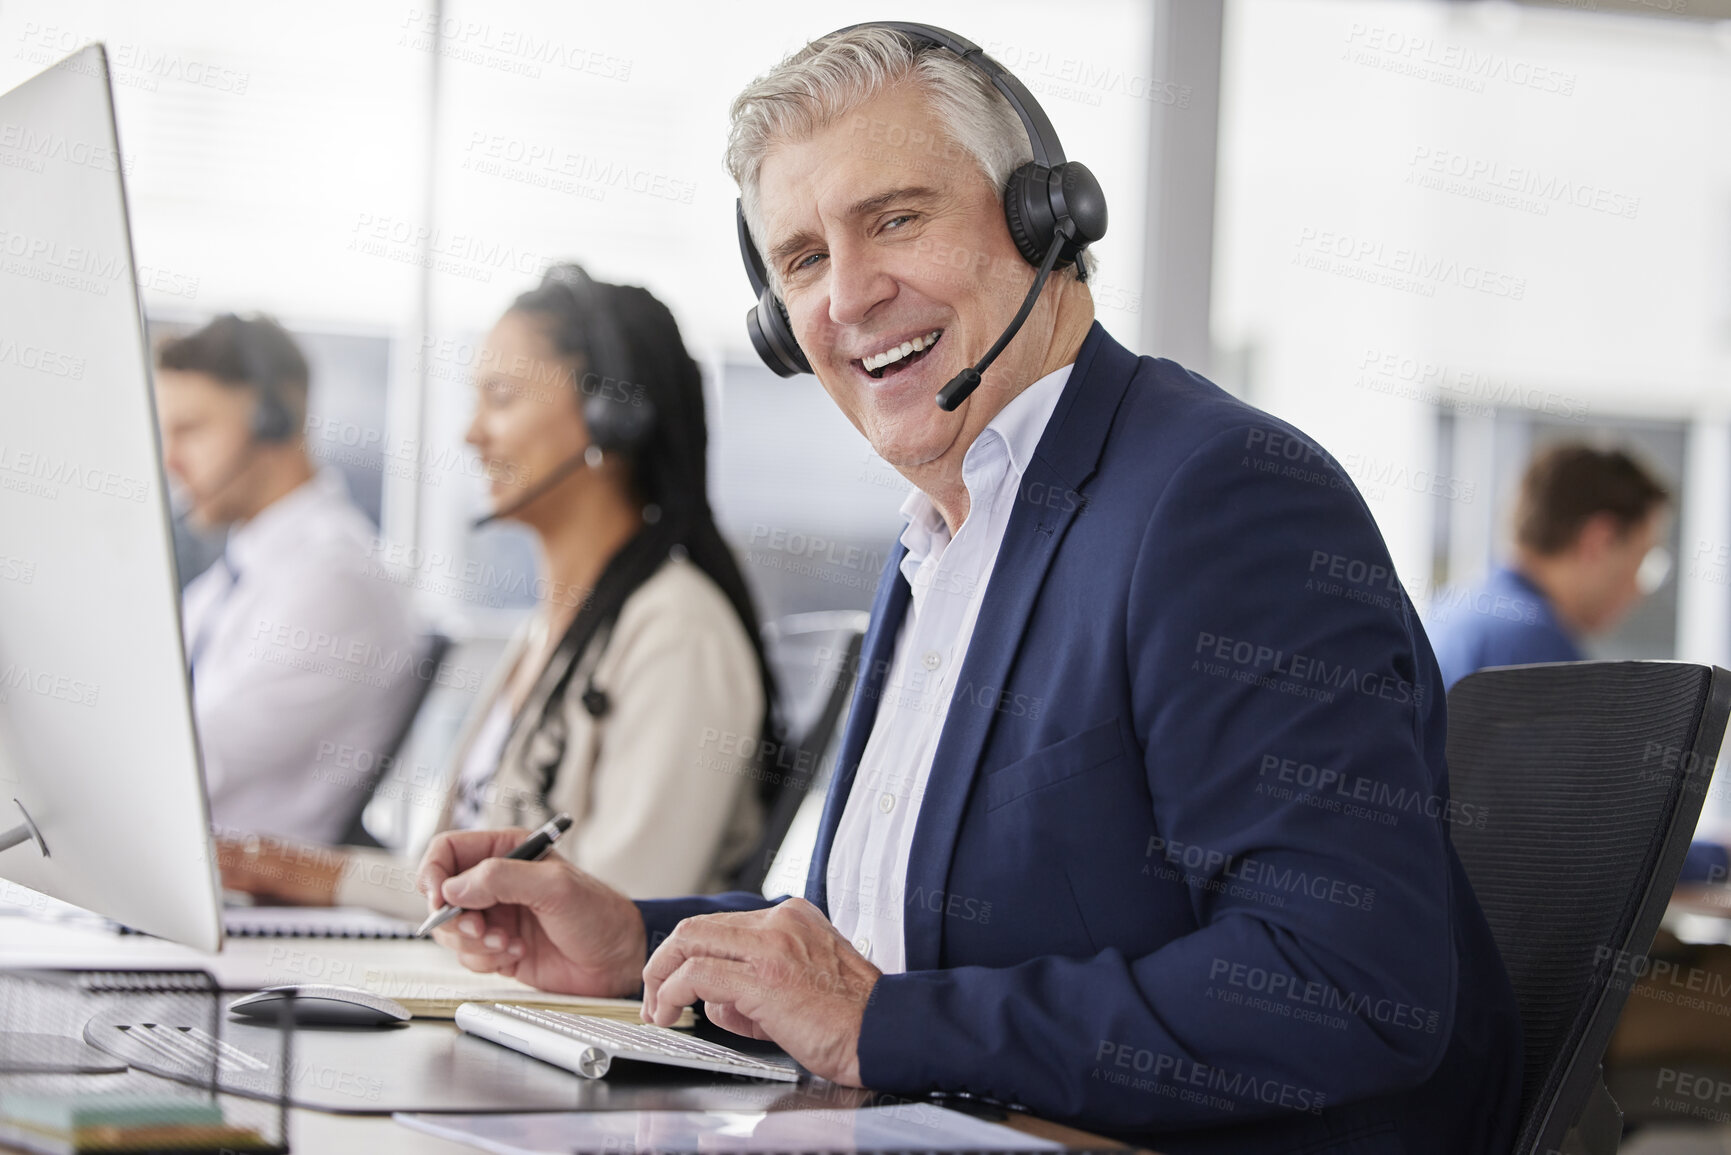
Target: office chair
{"x":794,"y":769}
{"x":433,"y":650}
{"x":1591,"y":777}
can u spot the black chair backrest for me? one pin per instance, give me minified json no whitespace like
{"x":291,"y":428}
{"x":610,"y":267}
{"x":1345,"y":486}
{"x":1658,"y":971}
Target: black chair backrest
{"x":795,"y":766}
{"x":434,"y":647}
{"x":1590,"y":778}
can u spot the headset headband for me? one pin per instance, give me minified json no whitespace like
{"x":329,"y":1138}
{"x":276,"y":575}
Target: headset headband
{"x":607,"y":352}
{"x":1041,"y":135}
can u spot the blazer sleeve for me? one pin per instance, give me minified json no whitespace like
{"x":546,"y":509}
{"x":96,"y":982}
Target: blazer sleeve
{"x":1230,"y":661}
{"x":685,"y":696}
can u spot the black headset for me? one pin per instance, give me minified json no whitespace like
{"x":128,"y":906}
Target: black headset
{"x":273,"y":421}
{"x":616,"y":404}
{"x":1050,"y":204}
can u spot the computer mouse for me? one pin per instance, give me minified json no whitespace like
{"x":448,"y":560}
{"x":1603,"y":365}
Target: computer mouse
{"x":318,"y":1004}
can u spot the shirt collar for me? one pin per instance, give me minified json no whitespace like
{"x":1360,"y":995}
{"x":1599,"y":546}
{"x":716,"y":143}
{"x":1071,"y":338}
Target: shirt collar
{"x":1017,"y":428}
{"x":275,"y":526}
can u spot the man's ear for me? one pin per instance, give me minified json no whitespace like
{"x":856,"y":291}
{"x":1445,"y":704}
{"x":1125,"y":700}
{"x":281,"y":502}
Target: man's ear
{"x":1599,"y":533}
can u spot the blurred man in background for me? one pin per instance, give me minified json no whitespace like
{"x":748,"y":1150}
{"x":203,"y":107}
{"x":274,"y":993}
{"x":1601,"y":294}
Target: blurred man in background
{"x":1586,"y":530}
{"x":294,"y":645}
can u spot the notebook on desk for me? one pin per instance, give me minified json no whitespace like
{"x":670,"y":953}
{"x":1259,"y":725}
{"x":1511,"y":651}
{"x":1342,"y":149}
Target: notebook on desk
{"x":430,"y":992}
{"x":312,"y":922}
{"x":436,"y":994}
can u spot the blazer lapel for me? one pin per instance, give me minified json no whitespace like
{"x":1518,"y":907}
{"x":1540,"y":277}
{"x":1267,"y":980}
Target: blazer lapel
{"x":1066,"y":457}
{"x":889,"y":607}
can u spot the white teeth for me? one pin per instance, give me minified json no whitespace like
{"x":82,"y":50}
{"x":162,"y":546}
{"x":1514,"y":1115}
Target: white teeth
{"x":890,"y":356}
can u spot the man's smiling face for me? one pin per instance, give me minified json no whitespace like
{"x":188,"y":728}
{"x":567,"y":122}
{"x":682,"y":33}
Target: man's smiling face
{"x":898,"y":271}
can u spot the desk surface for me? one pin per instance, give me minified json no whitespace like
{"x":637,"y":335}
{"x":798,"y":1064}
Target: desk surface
{"x":1700,"y":915}
{"x":251,"y":963}
{"x":314,"y":1131}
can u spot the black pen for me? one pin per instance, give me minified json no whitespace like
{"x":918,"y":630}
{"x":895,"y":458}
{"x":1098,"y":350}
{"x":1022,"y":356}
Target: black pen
{"x":534,"y":847}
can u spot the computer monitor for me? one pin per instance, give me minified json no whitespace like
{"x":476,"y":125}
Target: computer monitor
{"x":97,"y":745}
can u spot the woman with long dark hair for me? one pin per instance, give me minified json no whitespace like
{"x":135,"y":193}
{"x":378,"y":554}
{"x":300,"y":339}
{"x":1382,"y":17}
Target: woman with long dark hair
{"x":637,"y":695}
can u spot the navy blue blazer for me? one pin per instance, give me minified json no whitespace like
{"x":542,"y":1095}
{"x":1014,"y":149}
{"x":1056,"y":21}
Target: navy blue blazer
{"x":1182,"y":872}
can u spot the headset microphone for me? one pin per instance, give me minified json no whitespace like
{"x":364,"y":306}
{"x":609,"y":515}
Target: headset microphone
{"x":559,"y":473}
{"x":965,"y":382}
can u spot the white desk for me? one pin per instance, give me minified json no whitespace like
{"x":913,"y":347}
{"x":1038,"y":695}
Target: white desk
{"x":252,"y":963}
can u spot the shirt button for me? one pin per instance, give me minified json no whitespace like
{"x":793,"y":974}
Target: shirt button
{"x":933,"y":658}
{"x":862,"y":944}
{"x":886,"y":802}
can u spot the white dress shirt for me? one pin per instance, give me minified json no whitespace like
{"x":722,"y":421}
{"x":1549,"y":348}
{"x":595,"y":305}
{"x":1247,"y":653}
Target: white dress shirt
{"x":303,"y":659}
{"x":868,"y":864}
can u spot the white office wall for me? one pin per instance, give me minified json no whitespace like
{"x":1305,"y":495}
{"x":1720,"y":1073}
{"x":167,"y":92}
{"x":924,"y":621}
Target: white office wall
{"x":1483,"y":205}
{"x":252,"y":136}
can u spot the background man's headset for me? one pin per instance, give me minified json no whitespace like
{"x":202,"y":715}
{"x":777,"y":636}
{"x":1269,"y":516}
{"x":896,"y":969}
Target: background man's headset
{"x":273,"y":420}
{"x":1055,"y":209}
{"x":615,"y":401}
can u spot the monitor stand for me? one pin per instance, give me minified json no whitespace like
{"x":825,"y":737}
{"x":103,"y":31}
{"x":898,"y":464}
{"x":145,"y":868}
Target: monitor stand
{"x":25,"y":831}
{"x":26,"y":1052}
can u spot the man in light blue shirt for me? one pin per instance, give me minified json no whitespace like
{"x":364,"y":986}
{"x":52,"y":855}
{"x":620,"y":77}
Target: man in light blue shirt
{"x":1586,"y":530}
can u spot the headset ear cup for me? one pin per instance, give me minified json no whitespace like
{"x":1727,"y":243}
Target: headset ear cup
{"x":271,"y":420}
{"x":772,"y":336}
{"x":1028,"y":211}
{"x":1074,"y":191}
{"x":619,"y":424}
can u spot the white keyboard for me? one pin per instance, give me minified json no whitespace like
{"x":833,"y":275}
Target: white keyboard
{"x":588,"y":1045}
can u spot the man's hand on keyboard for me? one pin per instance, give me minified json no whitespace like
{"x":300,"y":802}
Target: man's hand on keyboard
{"x":546,"y":923}
{"x":783,"y":974}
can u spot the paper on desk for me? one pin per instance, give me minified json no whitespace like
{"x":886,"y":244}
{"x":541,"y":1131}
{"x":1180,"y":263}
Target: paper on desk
{"x":906,"y":1127}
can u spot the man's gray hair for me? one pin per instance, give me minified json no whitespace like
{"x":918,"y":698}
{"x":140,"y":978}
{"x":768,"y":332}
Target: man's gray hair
{"x":829,"y":78}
